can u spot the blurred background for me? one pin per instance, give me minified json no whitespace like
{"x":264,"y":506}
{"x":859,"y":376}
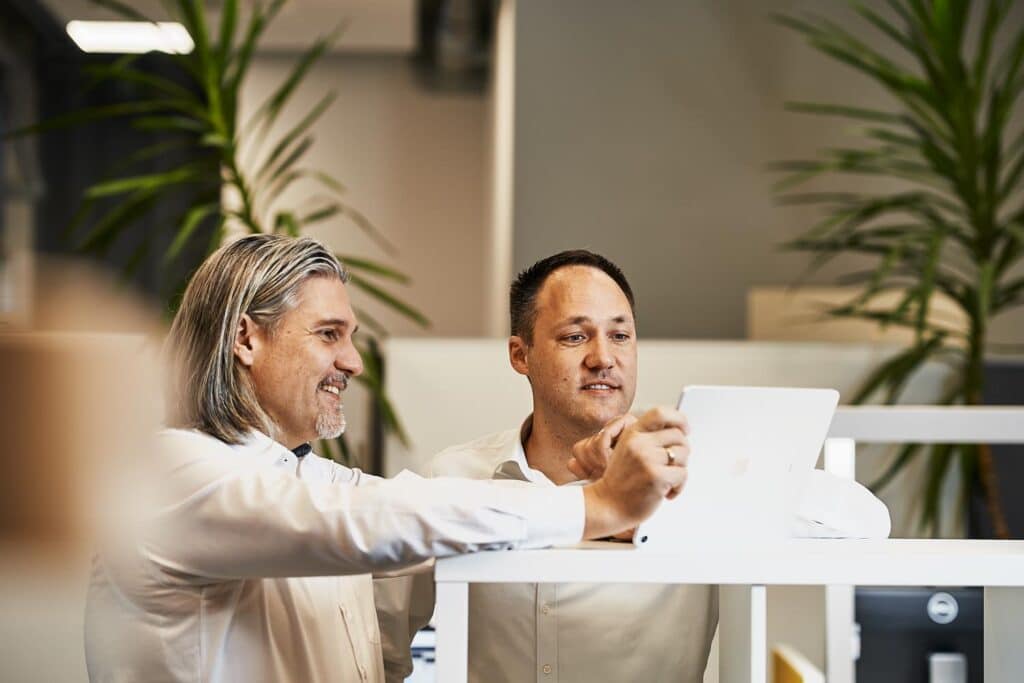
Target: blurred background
{"x":472,"y":138}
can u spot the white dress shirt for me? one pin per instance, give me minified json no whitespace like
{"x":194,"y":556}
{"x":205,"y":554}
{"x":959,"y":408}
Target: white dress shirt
{"x":576,"y":632}
{"x":254,"y":565}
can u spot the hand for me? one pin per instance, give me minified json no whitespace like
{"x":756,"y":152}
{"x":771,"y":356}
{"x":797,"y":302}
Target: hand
{"x":590,"y":456}
{"x":639,"y":473}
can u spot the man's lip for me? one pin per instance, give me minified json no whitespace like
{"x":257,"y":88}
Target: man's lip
{"x":611,"y":385}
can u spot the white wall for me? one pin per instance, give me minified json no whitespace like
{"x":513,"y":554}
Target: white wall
{"x":414,"y":163}
{"x":643,"y":131}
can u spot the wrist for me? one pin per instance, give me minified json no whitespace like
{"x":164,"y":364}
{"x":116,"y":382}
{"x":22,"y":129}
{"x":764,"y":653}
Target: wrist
{"x":601,"y":517}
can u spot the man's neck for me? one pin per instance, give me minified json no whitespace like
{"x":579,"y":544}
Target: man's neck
{"x":548,"y":448}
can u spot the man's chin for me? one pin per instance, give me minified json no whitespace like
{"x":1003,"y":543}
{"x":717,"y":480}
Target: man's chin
{"x":330,"y":426}
{"x":592,"y":421}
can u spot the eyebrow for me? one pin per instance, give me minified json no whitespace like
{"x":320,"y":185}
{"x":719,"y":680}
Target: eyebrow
{"x":581,"y":319}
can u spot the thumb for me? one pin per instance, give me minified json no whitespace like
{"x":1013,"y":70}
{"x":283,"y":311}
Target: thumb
{"x":577,"y":469}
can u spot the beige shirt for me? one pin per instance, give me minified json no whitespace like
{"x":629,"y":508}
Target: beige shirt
{"x":255,"y":565}
{"x":576,"y":632}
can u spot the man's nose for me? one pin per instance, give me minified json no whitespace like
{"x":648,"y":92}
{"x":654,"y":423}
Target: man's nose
{"x":349,"y":360}
{"x":599,"y":354}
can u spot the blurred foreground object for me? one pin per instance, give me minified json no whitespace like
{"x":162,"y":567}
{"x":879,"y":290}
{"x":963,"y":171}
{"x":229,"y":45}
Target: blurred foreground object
{"x":80,"y":398}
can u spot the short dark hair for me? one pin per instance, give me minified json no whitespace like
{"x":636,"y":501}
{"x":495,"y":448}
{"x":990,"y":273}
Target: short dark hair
{"x":524,"y":290}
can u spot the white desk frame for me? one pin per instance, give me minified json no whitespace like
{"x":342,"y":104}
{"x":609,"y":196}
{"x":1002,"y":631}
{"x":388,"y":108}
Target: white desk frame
{"x":743,"y":573}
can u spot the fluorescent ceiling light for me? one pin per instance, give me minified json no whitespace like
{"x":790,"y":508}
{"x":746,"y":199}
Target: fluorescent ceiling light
{"x":130,"y":36}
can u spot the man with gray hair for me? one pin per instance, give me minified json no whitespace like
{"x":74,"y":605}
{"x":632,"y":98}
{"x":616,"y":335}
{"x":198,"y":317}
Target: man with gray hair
{"x":254,"y":558}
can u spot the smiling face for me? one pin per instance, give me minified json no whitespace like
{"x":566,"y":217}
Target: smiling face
{"x":582,"y":361}
{"x":300,"y":368}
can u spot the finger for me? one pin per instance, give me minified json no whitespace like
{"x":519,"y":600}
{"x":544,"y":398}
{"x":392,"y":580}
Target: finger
{"x":577,"y":471}
{"x":586,"y":459}
{"x":610,"y":433}
{"x":675,"y":490}
{"x":666,"y":438}
{"x":680,"y":456}
{"x":593,"y":453}
{"x":627,"y":421}
{"x":594,"y":467}
{"x":660,"y":418}
{"x":672,"y":478}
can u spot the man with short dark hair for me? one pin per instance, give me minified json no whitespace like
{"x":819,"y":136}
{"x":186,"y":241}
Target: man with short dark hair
{"x":574,"y":338}
{"x":254,"y":556}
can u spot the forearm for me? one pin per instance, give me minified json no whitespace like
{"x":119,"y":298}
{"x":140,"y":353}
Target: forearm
{"x":604,"y":515}
{"x":268,"y":523}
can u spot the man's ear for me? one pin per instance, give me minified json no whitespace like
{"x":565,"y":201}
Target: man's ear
{"x":517,"y":355}
{"x":246,"y":340}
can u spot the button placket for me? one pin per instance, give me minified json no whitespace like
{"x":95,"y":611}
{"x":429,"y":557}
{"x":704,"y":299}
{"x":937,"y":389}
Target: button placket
{"x":546,"y":620}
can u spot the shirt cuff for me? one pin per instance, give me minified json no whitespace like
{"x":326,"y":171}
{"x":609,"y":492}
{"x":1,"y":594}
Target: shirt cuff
{"x":556,"y":518}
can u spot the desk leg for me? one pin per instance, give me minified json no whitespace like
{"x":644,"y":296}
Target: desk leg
{"x":742,"y":633}
{"x":452,"y":619}
{"x":839,"y":634}
{"x":1004,"y":624}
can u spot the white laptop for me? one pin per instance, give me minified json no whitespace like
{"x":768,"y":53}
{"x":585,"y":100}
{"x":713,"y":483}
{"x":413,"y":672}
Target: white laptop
{"x":751,"y":449}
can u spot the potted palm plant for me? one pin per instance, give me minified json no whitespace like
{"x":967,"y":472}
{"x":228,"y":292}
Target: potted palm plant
{"x":951,"y":221}
{"x":234,"y":177}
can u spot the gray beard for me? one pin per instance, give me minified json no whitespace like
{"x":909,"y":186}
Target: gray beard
{"x":330,"y":425}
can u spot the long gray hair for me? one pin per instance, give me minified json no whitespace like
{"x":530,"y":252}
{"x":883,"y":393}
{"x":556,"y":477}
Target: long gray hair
{"x":258,"y":275}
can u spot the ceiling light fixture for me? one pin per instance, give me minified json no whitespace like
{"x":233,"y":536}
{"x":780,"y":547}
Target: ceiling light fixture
{"x":130,"y":36}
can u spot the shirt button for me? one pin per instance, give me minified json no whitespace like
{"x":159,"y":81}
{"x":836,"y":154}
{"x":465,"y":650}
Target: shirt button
{"x":546,"y":669}
{"x":545,"y":609}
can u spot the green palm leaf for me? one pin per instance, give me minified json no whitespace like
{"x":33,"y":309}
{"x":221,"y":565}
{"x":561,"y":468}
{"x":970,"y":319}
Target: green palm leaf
{"x":198,"y":112}
{"x":951,"y":231}
{"x":389,"y":300}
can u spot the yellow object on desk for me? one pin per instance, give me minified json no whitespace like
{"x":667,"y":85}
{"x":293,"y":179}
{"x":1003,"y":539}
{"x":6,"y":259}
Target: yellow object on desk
{"x":789,"y":666}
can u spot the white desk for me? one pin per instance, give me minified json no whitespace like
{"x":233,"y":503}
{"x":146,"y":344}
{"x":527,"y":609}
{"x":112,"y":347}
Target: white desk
{"x":743,"y":574}
{"x":997,"y":565}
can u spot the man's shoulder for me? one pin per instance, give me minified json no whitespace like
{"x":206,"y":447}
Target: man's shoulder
{"x":474,"y":459}
{"x":180,"y":447}
{"x":193,"y":440}
{"x":317,"y":467}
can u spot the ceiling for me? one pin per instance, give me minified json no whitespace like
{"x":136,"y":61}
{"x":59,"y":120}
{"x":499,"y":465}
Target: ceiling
{"x":374,"y":26}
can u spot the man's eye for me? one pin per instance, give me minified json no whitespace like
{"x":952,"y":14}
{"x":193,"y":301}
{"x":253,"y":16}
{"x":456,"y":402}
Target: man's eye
{"x":621,"y":336}
{"x":574,"y":338}
{"x":329,"y":335}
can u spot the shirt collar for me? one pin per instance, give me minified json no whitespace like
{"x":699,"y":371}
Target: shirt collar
{"x":258,"y":445}
{"x":512,"y":463}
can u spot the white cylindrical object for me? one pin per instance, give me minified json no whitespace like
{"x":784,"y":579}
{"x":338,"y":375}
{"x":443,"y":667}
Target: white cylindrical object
{"x":947,"y":667}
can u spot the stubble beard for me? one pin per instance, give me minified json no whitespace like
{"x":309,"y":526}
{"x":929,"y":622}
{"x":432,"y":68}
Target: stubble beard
{"x":587,"y":418}
{"x":579,"y":421}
